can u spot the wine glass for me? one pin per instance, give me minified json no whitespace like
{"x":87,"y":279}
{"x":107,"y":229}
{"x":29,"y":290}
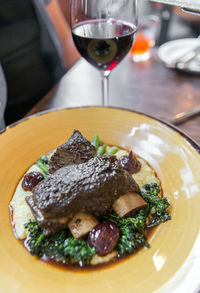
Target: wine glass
{"x":103,"y":32}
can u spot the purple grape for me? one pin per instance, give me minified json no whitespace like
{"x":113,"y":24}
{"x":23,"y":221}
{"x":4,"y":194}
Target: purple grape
{"x":104,"y":237}
{"x":130,"y":163}
{"x":31,"y":179}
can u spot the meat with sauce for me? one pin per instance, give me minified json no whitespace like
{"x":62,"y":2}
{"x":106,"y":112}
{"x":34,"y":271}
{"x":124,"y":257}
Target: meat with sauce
{"x":75,"y":151}
{"x":90,"y":187}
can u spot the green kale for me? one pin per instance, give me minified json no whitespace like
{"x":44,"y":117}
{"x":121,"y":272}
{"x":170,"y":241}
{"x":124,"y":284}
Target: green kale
{"x":130,"y":241}
{"x":61,"y":246}
{"x":78,"y":249}
{"x":131,"y":237}
{"x":158,"y":218}
{"x":157,"y":205}
{"x":150,"y":194}
{"x":35,"y":240}
{"x":132,"y":227}
{"x":136,"y":222}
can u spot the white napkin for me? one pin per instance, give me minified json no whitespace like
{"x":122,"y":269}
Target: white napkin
{"x":189,"y":4}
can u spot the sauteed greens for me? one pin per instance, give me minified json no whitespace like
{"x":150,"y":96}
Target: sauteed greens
{"x":61,"y":246}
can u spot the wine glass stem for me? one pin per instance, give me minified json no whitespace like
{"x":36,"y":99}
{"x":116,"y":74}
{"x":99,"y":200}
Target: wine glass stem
{"x":105,"y":87}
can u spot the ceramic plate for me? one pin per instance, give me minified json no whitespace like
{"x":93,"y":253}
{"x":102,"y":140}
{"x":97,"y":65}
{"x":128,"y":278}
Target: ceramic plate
{"x":172,"y":262}
{"x":171,"y":51}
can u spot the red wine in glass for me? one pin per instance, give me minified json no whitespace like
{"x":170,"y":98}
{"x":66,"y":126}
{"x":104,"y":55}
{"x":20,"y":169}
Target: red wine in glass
{"x":103,"y":32}
{"x":104,"y":42}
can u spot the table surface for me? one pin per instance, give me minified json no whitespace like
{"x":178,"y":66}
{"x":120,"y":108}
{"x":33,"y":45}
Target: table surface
{"x":148,"y":87}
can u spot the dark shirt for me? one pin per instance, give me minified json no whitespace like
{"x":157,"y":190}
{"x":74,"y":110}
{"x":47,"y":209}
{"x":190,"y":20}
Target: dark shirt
{"x":30,"y":54}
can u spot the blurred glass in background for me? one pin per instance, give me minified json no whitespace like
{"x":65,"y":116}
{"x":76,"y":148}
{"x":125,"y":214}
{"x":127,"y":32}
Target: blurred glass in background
{"x":172,"y":24}
{"x":145,"y":38}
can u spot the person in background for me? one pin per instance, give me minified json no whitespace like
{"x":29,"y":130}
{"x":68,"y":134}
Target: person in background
{"x":36,"y":51}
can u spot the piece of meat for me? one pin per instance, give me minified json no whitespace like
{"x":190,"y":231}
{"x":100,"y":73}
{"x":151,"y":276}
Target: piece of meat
{"x":90,"y":187}
{"x":75,"y":151}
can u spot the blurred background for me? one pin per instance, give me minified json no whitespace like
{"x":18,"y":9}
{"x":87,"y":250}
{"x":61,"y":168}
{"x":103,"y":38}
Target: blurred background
{"x":177,"y":24}
{"x":37,"y":48}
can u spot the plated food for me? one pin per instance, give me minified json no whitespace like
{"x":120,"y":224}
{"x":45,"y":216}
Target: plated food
{"x":172,"y":261}
{"x":87,"y":204}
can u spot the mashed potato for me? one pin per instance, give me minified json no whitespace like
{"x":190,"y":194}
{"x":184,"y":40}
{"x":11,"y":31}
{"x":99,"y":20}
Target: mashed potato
{"x":22,"y":213}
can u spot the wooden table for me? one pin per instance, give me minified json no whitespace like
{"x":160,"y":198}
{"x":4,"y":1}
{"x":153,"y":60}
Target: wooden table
{"x":147,"y":87}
